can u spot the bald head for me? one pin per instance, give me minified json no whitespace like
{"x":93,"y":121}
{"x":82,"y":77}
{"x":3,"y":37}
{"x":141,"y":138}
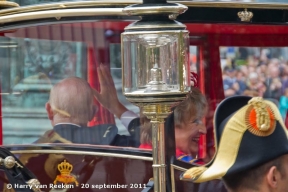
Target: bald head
{"x":71,"y":101}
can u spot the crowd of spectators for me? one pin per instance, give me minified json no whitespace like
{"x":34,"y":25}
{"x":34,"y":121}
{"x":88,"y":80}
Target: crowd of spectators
{"x":260,"y":75}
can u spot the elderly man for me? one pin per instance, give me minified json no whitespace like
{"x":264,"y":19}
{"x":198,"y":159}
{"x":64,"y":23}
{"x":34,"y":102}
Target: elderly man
{"x":70,"y":108}
{"x":252,"y":146}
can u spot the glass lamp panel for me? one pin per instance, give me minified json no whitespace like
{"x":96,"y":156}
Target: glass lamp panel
{"x":152,"y":63}
{"x":186,"y":64}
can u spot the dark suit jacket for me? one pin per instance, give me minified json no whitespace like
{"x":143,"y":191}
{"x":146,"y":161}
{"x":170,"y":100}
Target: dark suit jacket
{"x":129,"y":141}
{"x":69,"y":133}
{"x":106,"y":134}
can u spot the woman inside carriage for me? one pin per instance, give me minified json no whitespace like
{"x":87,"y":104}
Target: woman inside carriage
{"x":189,"y":126}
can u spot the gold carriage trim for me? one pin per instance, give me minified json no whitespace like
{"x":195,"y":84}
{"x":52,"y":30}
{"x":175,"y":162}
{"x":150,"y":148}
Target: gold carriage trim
{"x":193,"y":173}
{"x":260,"y":118}
{"x":7,"y":4}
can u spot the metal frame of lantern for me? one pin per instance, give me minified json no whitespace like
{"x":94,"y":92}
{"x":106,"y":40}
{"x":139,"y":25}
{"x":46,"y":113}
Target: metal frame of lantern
{"x":143,"y":81}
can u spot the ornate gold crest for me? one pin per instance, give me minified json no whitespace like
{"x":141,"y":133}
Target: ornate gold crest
{"x":260,"y":118}
{"x":245,"y":15}
{"x":65,"y":176}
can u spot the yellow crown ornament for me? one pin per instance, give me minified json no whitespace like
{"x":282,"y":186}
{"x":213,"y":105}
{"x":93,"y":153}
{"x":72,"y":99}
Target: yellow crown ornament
{"x":65,"y":176}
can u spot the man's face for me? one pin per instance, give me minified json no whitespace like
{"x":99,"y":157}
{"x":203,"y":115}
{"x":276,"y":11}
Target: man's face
{"x":187,"y":136}
{"x":283,"y":183}
{"x":254,"y":81}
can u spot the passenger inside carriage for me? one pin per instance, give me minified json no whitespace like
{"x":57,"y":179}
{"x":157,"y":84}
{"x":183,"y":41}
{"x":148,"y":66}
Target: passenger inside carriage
{"x":70,"y":108}
{"x":189,"y":126}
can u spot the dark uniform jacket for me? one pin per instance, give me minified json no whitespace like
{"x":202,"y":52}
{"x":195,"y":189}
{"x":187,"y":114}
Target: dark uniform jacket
{"x":70,"y":133}
{"x":133,"y":140}
{"x":106,"y":134}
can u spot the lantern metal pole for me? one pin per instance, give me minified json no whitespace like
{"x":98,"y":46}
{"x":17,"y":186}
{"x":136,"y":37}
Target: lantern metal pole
{"x":159,"y":166}
{"x":157,"y":113}
{"x":155,"y":95}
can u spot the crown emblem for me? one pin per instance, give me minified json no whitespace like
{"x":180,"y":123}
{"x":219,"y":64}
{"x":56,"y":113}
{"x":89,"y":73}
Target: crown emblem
{"x":260,"y":117}
{"x":65,"y":168}
{"x":245,"y":15}
{"x":65,"y":176}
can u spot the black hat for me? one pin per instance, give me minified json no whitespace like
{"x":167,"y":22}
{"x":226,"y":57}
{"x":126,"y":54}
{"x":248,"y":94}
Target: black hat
{"x":249,"y":132}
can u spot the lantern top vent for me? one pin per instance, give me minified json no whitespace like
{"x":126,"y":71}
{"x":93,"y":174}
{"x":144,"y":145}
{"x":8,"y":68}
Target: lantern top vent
{"x":155,"y":15}
{"x":155,"y":9}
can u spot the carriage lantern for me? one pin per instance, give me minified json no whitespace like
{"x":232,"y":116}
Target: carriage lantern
{"x":155,"y":69}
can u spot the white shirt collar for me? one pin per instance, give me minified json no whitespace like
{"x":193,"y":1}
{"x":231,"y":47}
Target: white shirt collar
{"x":67,"y":124}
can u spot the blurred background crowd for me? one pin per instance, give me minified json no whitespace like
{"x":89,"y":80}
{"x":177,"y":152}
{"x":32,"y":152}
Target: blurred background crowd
{"x":256,"y":72}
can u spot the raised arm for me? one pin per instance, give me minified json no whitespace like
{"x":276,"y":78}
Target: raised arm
{"x":108,"y":94}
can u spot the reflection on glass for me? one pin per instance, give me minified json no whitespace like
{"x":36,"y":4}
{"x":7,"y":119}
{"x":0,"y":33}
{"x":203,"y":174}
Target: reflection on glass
{"x":35,"y":62}
{"x":28,"y":72}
